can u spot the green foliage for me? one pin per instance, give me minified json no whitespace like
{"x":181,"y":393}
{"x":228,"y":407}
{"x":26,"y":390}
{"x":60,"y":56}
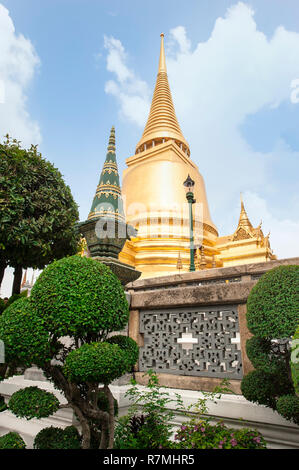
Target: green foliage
{"x":2,"y":306}
{"x":288,"y":407}
{"x":11,"y":300}
{"x":264,"y":388}
{"x":32,"y":402}
{"x":80,"y":297}
{"x":38,"y":213}
{"x":57,"y":438}
{"x":204,"y":435}
{"x":273,"y":303}
{"x":15,"y":297}
{"x":96,"y":362}
{"x":295,"y":361}
{"x":3,"y":406}
{"x":147,"y":425}
{"x":103,"y":403}
{"x":272,"y":314}
{"x":150,"y":409}
{"x":12,"y":440}
{"x":24,"y":335}
{"x":128,"y":345}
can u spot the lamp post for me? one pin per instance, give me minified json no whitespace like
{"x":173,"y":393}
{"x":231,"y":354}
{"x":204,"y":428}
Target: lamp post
{"x":189,"y":187}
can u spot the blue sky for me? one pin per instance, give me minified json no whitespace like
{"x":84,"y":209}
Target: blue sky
{"x":73,"y":68}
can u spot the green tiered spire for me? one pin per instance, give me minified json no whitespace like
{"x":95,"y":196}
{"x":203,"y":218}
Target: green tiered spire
{"x":108,"y":201}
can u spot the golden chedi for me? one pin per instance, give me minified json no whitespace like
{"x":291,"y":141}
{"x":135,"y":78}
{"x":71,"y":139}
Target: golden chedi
{"x":155,"y":202}
{"x":154,"y":195}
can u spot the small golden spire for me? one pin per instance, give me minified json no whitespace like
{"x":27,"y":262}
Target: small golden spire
{"x":244,"y":220}
{"x":162,"y":61}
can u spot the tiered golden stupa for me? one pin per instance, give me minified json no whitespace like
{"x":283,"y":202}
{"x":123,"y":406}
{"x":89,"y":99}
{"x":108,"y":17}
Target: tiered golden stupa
{"x":155,"y":200}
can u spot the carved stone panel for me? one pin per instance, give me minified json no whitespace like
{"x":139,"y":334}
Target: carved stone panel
{"x":192,"y":341}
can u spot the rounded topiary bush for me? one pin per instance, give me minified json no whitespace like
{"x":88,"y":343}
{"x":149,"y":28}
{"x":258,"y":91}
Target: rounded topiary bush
{"x":288,"y":407}
{"x":78,"y":296}
{"x":273,"y":303}
{"x":57,"y":438}
{"x":25,"y":337}
{"x":128,"y":345}
{"x":32,"y":402}
{"x":257,"y":387}
{"x":12,"y":440}
{"x":96,"y":362}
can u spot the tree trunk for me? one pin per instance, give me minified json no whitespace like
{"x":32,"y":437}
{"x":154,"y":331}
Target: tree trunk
{"x":16,"y":288}
{"x":111,"y":418}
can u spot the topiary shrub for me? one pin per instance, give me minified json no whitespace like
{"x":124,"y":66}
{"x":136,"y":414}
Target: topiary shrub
{"x":63,"y":328}
{"x":12,"y":440}
{"x":272,"y":317}
{"x":57,"y":438}
{"x":32,"y":402}
{"x":288,"y":407}
{"x":24,"y":335}
{"x":96,"y":362}
{"x":128,"y":345}
{"x":79,"y":296}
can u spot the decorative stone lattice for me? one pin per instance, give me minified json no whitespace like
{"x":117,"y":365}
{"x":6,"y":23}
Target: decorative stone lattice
{"x":197,"y":342}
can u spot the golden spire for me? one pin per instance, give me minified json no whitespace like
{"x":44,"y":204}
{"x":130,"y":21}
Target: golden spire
{"x":162,"y":123}
{"x":244,"y":220}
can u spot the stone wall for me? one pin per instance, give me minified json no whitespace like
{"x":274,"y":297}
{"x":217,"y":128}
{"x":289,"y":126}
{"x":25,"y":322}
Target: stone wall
{"x":191,"y":327}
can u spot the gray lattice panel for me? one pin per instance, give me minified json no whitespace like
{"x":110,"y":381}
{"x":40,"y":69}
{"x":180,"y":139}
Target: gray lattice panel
{"x":215,"y":349}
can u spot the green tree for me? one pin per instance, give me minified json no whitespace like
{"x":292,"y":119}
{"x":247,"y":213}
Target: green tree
{"x":37,"y":211}
{"x":272,"y":317}
{"x":63,"y":328}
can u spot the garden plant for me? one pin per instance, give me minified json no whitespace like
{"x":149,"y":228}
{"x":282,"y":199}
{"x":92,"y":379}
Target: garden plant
{"x":63,"y":328}
{"x":272,"y":318}
{"x":149,"y":422}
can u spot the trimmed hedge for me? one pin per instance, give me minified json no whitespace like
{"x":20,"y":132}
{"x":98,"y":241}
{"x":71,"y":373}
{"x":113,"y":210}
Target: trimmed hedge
{"x":79,"y":296}
{"x":24,"y":335}
{"x":96,"y":362}
{"x":273,"y":303}
{"x":288,"y":407}
{"x":57,"y":438}
{"x":128,"y":345}
{"x":12,"y":440}
{"x":32,"y":402}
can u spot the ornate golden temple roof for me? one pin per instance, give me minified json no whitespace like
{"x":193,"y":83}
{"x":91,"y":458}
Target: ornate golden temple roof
{"x":162,"y":122}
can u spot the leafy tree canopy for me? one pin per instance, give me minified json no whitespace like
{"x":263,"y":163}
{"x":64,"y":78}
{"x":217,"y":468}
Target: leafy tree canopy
{"x":38,"y":213}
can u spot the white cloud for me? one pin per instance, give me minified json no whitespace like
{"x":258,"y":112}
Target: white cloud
{"x":216,"y":85}
{"x":132,"y":93}
{"x":284,"y":233}
{"x":18,"y":63}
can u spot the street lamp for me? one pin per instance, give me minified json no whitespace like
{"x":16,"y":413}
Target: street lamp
{"x":189,"y":187}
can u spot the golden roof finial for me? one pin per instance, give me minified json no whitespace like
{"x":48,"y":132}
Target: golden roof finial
{"x":244,"y":220}
{"x":162,"y":123}
{"x":162,"y":61}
